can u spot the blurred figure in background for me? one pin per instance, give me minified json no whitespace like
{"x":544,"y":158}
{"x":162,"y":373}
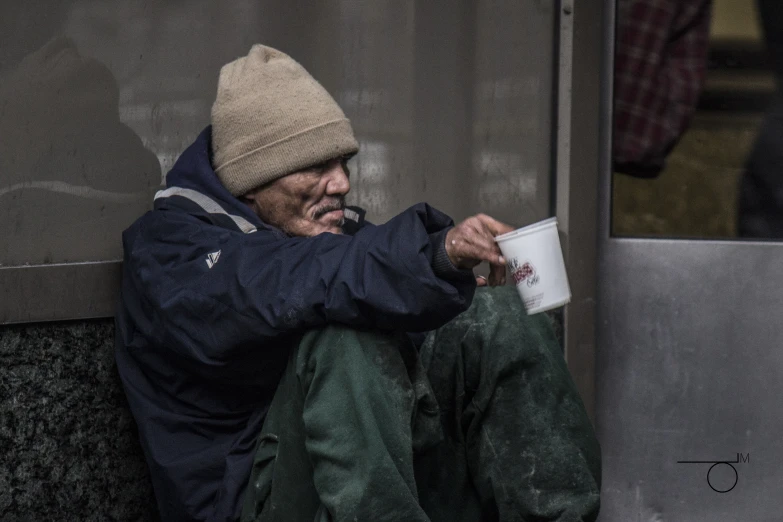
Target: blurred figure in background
{"x":761,"y":188}
{"x":660,"y":68}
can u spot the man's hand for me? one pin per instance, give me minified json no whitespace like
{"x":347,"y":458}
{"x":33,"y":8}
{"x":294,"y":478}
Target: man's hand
{"x":473,"y":241}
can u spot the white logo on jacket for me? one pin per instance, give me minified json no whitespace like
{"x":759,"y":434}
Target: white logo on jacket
{"x":212,"y":258}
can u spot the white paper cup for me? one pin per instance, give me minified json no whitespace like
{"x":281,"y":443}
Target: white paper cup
{"x":535,"y":260}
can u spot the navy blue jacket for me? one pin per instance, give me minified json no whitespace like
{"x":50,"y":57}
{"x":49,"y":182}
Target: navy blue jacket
{"x":212,"y":302}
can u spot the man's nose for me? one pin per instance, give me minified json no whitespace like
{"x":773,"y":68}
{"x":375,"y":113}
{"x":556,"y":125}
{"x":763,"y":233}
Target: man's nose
{"x":338,"y":183}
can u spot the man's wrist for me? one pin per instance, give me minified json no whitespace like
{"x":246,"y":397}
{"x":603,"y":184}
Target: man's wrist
{"x":441,"y":263}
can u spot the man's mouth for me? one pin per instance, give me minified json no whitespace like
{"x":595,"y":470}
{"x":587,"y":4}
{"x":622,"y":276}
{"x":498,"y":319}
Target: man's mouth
{"x":332,"y":211}
{"x":334,"y":214}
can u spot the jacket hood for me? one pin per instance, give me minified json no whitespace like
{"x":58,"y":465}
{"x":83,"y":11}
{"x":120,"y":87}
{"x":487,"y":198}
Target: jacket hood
{"x":193,"y":178}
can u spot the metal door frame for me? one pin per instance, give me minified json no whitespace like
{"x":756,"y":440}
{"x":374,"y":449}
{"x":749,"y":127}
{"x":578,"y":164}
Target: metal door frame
{"x":583,"y":135}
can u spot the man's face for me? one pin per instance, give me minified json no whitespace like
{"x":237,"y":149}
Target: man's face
{"x":307,"y":202}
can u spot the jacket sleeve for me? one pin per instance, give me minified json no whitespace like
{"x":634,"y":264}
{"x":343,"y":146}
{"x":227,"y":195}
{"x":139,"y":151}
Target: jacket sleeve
{"x":262,"y":285}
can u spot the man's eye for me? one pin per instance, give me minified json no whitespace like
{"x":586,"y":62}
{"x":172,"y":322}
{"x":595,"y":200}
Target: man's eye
{"x":320,"y":168}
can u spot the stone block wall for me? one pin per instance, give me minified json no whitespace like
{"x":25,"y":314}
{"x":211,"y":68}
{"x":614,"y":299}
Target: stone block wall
{"x":68,"y":443}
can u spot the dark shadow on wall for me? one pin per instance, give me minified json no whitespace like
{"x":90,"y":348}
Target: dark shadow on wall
{"x":72,"y":175}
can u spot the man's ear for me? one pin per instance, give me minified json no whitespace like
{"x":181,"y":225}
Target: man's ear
{"x":248,"y":199}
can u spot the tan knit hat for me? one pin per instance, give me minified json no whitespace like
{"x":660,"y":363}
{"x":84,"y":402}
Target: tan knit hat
{"x":271,"y":118}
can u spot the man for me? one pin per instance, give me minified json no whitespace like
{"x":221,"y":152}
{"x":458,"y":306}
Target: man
{"x":251,"y":280}
{"x":659,"y":72}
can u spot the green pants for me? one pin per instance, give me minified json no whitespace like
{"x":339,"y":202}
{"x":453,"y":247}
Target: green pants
{"x":483,"y":423}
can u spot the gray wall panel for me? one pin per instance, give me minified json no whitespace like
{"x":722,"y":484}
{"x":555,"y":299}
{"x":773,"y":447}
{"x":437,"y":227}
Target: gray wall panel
{"x":689,"y":368}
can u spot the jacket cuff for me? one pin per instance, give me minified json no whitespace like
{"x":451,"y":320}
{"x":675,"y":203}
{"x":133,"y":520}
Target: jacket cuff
{"x":441,"y":264}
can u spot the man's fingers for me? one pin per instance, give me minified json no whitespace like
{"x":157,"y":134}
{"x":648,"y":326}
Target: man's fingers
{"x":482,"y":251}
{"x":476,"y":241}
{"x":486,"y":228}
{"x":493,"y":225}
{"x":473,"y":241}
{"x":497,"y":275}
{"x":484,"y":246}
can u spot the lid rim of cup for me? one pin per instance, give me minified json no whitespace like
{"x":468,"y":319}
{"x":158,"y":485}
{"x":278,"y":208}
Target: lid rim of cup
{"x":527,"y":229}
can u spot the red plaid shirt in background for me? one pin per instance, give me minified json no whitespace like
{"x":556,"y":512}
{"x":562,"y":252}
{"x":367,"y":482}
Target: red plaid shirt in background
{"x":660,"y":66}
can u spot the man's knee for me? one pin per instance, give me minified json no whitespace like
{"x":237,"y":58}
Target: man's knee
{"x":503,"y":308}
{"x":340,"y":342}
{"x":371,"y":356}
{"x":498,"y":310}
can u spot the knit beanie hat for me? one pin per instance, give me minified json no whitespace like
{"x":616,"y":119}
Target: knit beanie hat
{"x":271,"y":118}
